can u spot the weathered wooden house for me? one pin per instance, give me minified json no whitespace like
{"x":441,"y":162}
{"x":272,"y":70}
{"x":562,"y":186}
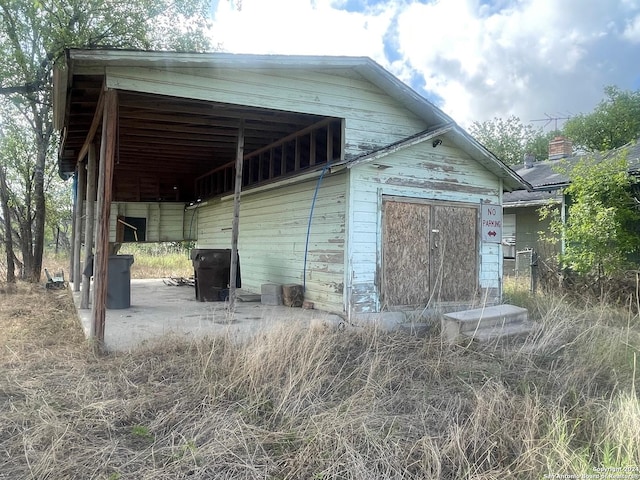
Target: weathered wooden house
{"x":352,"y":184}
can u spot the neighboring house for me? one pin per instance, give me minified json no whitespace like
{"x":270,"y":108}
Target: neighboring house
{"x":353,"y":185}
{"x":523,"y":225}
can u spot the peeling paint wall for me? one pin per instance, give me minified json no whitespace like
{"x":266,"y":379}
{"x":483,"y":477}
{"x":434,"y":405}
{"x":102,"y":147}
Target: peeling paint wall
{"x":444,"y":174}
{"x":372,"y":118}
{"x":273,"y":234}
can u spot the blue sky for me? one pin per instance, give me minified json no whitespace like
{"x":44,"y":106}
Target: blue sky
{"x":476,"y":59}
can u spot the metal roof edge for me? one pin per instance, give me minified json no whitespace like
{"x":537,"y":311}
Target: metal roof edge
{"x":399,"y":145}
{"x":515,"y":180}
{"x":530,"y":203}
{"x":121,"y":57}
{"x":388,"y":82}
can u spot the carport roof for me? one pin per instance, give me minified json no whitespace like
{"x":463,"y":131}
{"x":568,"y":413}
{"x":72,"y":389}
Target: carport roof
{"x":181,"y":127}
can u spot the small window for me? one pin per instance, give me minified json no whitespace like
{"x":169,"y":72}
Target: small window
{"x":131,"y":229}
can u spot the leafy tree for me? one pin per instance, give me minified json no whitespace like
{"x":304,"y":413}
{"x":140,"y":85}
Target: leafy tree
{"x":18,"y":187}
{"x":33,"y":37}
{"x":612,"y":124}
{"x":600,"y":232}
{"x":509,"y":139}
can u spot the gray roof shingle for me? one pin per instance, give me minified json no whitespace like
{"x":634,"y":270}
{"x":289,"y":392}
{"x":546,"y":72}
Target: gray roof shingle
{"x":547,"y":176}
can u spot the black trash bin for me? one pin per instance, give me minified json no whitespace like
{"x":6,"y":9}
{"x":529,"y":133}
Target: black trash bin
{"x":212,"y":268}
{"x":119,"y":281}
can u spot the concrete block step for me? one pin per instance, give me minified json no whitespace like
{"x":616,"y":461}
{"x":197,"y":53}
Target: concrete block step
{"x":271,"y":289}
{"x":273,"y":300}
{"x":511,"y":330}
{"x":471,"y":320}
{"x":455,"y":324}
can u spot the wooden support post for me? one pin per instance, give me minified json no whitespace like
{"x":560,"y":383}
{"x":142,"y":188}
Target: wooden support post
{"x":73,"y":227}
{"x":89,"y":221}
{"x":236,"y":217}
{"x":81,"y":172}
{"x":101,"y":260}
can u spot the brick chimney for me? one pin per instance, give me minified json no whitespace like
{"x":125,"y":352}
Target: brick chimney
{"x":560,"y":147}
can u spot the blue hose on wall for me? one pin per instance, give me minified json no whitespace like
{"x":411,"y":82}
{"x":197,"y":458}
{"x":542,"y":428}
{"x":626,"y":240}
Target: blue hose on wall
{"x":306,"y":246}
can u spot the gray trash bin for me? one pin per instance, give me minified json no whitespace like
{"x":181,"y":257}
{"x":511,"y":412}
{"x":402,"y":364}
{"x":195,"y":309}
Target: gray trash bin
{"x":119,"y":283}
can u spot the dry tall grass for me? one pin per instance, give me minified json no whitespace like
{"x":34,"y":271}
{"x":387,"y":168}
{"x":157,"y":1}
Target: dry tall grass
{"x":301,"y":404}
{"x":158,"y":260}
{"x":147,"y":262}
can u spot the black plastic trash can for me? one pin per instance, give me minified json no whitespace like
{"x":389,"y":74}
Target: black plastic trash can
{"x":212,"y":268}
{"x":119,"y":283}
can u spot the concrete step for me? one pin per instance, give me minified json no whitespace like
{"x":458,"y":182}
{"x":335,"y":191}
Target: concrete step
{"x":467,"y":322}
{"x":512,"y":330}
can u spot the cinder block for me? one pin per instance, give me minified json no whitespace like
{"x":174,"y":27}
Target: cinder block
{"x":271,"y":289}
{"x":271,"y":299}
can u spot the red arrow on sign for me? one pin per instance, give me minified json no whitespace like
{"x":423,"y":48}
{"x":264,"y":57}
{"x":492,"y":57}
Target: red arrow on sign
{"x":492,"y":233}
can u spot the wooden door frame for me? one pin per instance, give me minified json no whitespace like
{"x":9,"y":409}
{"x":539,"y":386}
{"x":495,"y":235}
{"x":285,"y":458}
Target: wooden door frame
{"x":382,"y":197}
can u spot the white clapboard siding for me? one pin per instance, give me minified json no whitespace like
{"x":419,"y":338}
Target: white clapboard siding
{"x":421,"y":172}
{"x":372,"y":118}
{"x":273,"y":233}
{"x":165,"y":221}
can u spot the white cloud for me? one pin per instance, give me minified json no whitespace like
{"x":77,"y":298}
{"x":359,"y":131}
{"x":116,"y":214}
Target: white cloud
{"x":632,"y":30}
{"x":479,"y":59}
{"x":530,"y":58}
{"x":301,"y":27}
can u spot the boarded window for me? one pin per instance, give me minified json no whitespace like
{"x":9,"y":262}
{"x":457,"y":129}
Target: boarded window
{"x":430,"y":252}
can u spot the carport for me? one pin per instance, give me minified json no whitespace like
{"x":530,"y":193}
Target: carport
{"x":124,"y":144}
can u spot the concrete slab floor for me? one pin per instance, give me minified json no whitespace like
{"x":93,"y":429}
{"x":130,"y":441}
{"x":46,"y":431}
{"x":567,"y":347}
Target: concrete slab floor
{"x":158,"y":310}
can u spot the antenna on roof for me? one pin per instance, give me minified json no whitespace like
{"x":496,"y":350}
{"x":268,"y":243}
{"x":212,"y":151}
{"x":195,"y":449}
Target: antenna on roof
{"x":550,"y":119}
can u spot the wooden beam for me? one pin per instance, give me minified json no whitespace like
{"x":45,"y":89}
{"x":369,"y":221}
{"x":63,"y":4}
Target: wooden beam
{"x":81,"y":172}
{"x":271,"y":165}
{"x":97,"y":118}
{"x":312,"y":148}
{"x":296,"y":166}
{"x":236,"y":218}
{"x":101,"y":260}
{"x":88,"y":229}
{"x":292,"y":136}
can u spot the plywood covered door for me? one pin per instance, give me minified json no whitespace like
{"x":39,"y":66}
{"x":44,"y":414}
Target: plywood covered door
{"x":429,"y":252}
{"x":454,"y":253}
{"x":405,"y":238}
